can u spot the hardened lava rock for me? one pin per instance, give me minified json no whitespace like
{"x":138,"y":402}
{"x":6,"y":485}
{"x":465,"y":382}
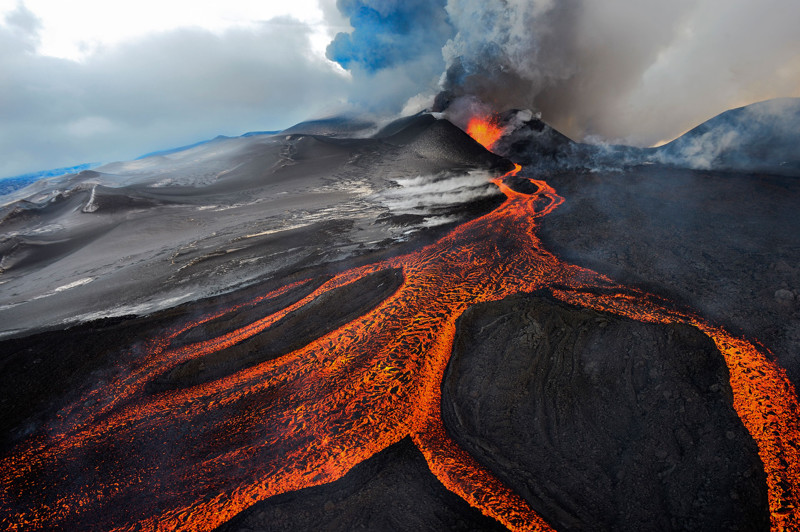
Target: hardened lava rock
{"x":600,"y":422}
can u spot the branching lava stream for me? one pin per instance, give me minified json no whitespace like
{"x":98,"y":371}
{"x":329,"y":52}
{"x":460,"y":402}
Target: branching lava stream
{"x":123,"y":458}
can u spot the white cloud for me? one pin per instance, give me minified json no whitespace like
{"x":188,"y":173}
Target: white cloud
{"x":155,"y":91}
{"x":90,"y":126}
{"x":76,"y":29}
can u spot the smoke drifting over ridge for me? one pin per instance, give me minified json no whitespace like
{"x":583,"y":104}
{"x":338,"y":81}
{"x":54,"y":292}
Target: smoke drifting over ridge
{"x":638,"y":72}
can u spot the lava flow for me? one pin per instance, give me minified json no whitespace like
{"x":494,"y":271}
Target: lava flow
{"x":128,"y":458}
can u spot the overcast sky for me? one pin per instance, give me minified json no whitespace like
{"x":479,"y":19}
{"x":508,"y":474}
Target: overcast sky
{"x":99,"y":80}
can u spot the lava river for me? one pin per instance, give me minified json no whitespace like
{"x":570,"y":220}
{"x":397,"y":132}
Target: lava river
{"x":125,"y":458}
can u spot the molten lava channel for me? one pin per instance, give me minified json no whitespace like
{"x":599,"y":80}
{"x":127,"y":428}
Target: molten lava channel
{"x":122,"y":458}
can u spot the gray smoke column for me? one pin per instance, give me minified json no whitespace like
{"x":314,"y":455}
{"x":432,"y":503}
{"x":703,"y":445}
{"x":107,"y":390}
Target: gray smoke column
{"x":635,"y":71}
{"x":505,"y":53}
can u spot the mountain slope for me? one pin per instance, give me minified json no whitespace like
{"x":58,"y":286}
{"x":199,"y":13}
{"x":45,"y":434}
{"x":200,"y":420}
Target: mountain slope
{"x":131,"y":237}
{"x":762,"y":137}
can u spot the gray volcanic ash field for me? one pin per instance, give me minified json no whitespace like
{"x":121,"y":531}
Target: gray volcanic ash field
{"x":131,"y":238}
{"x":341,"y":326}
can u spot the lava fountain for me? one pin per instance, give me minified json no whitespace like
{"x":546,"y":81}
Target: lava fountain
{"x":126,"y":458}
{"x":484,"y":130}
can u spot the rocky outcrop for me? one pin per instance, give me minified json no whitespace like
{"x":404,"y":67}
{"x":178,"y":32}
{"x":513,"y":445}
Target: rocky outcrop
{"x":603,"y":423}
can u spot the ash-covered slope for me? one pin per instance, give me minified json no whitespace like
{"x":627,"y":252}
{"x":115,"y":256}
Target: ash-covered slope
{"x":131,"y":237}
{"x":762,"y":137}
{"x":338,"y":126}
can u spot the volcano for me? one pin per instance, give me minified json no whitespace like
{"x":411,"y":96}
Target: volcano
{"x":345,"y":325}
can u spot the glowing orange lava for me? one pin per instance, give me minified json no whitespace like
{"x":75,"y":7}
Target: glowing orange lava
{"x":123,"y":458}
{"x":484,"y":131}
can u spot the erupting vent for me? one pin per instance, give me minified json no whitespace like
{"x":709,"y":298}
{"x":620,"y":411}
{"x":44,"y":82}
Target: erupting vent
{"x":484,"y":131}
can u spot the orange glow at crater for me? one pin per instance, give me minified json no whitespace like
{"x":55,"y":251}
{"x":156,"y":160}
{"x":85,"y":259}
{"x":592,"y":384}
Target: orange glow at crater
{"x":484,"y":131}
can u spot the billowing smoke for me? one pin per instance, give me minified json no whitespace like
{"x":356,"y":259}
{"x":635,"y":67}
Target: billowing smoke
{"x":388,"y":33}
{"x":506,"y":52}
{"x":394,"y":50}
{"x":636,"y":71}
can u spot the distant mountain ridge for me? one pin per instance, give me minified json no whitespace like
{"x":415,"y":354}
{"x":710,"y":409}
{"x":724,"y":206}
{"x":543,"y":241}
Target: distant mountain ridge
{"x":761,"y":137}
{"x":10,"y":184}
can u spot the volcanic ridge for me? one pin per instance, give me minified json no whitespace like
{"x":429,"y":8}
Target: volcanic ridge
{"x":347,"y":325}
